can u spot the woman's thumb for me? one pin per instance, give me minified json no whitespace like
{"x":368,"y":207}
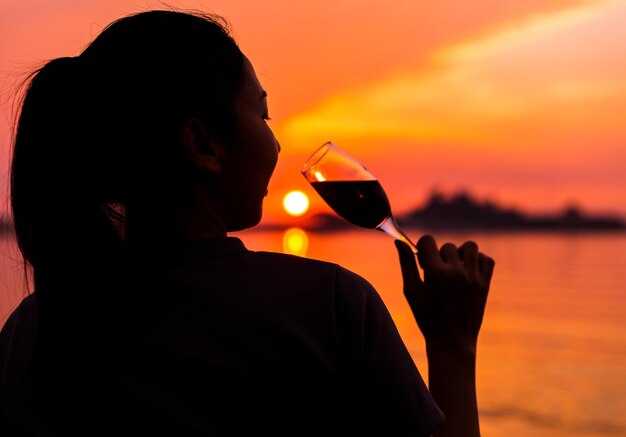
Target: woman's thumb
{"x":408,"y":265}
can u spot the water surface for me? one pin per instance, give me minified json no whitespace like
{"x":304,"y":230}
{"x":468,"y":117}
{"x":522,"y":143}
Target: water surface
{"x":552,"y":351}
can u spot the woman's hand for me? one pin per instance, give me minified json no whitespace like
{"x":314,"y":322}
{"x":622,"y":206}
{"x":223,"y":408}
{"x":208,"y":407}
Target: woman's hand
{"x":449,"y":303}
{"x":448,"y":306}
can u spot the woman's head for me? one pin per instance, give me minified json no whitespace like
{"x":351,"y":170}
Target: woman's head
{"x":249,"y":160}
{"x":121,"y":123}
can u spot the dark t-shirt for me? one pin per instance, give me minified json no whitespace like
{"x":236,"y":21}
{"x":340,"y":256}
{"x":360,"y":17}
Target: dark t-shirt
{"x":240,"y":343}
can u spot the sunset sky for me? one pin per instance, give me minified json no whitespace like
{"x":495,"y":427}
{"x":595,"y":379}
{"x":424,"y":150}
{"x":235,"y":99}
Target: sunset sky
{"x":519,"y":101}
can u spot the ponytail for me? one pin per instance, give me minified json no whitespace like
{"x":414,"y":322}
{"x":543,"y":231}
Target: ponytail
{"x":58,"y":200}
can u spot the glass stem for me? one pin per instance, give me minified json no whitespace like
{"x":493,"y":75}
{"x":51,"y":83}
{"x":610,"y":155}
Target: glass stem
{"x":391,"y":227}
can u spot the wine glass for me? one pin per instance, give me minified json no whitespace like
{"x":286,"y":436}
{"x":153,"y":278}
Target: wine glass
{"x":351,"y":190}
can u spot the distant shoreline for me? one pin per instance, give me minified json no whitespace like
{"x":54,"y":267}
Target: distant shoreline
{"x":276,"y":227}
{"x":457,"y":213}
{"x":461,"y":213}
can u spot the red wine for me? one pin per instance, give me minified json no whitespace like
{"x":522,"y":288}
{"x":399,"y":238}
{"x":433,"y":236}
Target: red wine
{"x":363,"y":203}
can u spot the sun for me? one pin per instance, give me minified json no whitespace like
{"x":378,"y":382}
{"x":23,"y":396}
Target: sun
{"x":296,"y":203}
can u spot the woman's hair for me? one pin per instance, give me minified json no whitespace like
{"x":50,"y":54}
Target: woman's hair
{"x":98,"y":135}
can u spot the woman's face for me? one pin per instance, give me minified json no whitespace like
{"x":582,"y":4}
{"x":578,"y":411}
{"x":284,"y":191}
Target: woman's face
{"x":252,"y":158}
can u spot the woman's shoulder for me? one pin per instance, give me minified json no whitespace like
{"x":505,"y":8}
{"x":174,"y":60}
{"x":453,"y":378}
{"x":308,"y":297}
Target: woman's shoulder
{"x":16,"y":339}
{"x":310,"y":270}
{"x":311,"y":265}
{"x":285,"y":260}
{"x":24,"y":313}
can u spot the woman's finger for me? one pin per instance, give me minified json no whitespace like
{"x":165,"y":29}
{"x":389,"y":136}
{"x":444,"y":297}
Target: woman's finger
{"x":469,"y":255}
{"x":428,"y":254}
{"x":450,"y":254}
{"x":485,"y":267}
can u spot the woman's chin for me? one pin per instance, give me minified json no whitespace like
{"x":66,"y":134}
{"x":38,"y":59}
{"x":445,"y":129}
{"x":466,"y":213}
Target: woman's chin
{"x":241,"y":224}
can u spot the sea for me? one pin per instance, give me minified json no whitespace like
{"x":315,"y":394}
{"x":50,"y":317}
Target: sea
{"x":552,"y":348}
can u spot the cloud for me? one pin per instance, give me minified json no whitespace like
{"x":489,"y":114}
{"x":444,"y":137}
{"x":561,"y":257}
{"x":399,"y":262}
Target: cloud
{"x":548,"y":81}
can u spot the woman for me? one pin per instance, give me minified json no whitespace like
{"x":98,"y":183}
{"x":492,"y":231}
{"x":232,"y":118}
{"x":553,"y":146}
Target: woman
{"x":131,"y":164}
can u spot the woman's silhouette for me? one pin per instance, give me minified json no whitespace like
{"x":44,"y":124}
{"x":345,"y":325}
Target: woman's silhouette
{"x":131,"y":164}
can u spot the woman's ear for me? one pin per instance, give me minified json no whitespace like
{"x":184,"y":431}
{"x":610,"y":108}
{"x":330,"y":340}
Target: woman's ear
{"x":202,"y":149}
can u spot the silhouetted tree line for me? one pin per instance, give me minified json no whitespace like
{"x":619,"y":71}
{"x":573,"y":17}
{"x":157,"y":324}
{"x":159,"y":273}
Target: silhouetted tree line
{"x":461,"y":211}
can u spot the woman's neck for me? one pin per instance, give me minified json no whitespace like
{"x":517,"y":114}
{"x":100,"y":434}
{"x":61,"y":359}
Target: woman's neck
{"x":178,"y":225}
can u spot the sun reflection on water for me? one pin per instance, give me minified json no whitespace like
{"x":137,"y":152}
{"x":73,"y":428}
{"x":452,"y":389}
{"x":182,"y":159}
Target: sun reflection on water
{"x":295,"y":242}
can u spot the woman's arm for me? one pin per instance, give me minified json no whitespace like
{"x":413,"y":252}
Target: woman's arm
{"x":448,"y":305}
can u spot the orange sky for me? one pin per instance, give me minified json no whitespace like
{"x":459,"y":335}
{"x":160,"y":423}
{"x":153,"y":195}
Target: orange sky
{"x":522,"y":101}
